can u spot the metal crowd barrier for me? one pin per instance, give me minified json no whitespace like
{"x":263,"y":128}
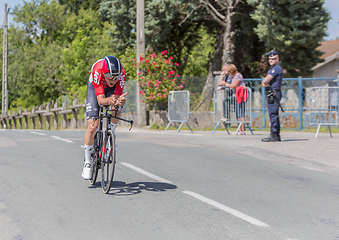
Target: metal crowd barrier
{"x":323,"y":107}
{"x":225,"y":108}
{"x":178,"y":108}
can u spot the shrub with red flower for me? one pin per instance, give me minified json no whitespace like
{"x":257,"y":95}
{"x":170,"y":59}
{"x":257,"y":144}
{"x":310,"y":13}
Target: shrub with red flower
{"x":157,"y":77}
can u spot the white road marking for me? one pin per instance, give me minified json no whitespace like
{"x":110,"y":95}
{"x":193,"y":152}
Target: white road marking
{"x":62,"y":139}
{"x":201,"y":198}
{"x":227,"y":209}
{"x":143,"y":172}
{"x":38,"y":133}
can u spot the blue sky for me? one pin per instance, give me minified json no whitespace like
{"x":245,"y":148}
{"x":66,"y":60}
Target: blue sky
{"x":332,"y":6}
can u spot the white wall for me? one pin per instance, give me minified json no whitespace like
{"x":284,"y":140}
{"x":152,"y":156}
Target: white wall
{"x":328,"y":70}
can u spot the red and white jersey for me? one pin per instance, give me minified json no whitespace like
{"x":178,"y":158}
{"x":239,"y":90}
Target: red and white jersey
{"x":98,"y":80}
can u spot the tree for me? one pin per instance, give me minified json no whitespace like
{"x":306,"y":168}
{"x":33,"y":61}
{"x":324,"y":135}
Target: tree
{"x":221,"y":14}
{"x":34,"y":73}
{"x":82,"y":53}
{"x":294,"y":28}
{"x":53,"y":51}
{"x":200,"y":56}
{"x":164,"y":26}
{"x":40,"y":19}
{"x":75,"y":5}
{"x":248,"y":48}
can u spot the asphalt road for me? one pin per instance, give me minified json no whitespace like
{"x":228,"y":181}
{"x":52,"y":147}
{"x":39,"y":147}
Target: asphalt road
{"x":171,"y":185}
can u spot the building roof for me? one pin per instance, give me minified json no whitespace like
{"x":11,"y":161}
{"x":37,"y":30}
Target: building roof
{"x":328,"y":48}
{"x":330,"y":51}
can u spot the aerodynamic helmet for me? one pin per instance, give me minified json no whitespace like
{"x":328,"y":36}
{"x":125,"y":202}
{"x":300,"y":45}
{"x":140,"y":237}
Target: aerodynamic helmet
{"x":111,"y":67}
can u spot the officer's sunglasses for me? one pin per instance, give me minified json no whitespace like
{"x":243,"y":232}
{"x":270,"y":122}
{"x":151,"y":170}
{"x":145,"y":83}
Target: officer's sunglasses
{"x":272,"y":58}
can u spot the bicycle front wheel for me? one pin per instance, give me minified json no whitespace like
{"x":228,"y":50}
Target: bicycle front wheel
{"x":108,"y":161}
{"x":96,"y":158}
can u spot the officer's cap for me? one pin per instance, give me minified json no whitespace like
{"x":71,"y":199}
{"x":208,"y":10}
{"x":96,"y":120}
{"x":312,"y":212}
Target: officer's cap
{"x":272,"y":53}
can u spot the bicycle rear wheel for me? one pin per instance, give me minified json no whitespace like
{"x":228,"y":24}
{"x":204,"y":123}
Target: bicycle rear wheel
{"x":108,"y":161}
{"x":96,"y":158}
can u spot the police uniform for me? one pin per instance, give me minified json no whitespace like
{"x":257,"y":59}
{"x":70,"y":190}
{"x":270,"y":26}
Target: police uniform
{"x":273,"y":107}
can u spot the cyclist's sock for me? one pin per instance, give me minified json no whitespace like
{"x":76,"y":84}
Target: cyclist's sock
{"x":88,"y":151}
{"x":114,"y":126}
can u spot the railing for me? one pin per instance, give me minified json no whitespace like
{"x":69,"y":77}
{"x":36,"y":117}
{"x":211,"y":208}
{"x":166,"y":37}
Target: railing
{"x":47,"y":112}
{"x":294,"y":100}
{"x":323,"y":107}
{"x":226,"y":109}
{"x":178,"y":108}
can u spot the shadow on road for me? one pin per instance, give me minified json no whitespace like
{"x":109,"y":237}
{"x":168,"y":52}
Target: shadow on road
{"x":295,"y":140}
{"x":120,"y":188}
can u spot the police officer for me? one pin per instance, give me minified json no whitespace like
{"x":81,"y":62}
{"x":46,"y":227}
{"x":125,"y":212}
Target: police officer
{"x":272,"y":84}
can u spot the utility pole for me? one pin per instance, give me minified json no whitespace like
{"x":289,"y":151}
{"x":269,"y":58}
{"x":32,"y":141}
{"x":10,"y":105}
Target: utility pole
{"x":141,"y":107}
{"x":4,"y":70}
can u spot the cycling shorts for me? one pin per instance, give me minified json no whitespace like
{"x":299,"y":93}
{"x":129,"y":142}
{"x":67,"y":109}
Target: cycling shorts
{"x":92,"y":106}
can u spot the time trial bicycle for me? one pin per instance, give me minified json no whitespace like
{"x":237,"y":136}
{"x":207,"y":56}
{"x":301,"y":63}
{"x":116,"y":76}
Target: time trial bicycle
{"x":105,"y":147}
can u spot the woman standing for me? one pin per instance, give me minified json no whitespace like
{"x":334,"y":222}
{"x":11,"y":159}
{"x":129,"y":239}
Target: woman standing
{"x":237,"y":81}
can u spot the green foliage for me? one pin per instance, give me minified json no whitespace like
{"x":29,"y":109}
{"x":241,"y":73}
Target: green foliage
{"x":294,"y":29}
{"x":33,"y":73}
{"x":157,"y":79}
{"x":76,"y":5}
{"x":76,"y":62}
{"x":164,"y":26}
{"x":200,"y":56}
{"x":52,"y":52}
{"x":40,"y":18}
{"x":126,"y":58}
{"x":248,"y":47}
{"x":88,"y":21}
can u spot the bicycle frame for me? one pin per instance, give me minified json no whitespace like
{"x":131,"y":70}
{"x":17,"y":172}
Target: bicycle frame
{"x":103,"y":160}
{"x":109,"y":116}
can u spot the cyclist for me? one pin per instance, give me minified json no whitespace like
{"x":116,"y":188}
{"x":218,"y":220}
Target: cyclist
{"x":105,"y":87}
